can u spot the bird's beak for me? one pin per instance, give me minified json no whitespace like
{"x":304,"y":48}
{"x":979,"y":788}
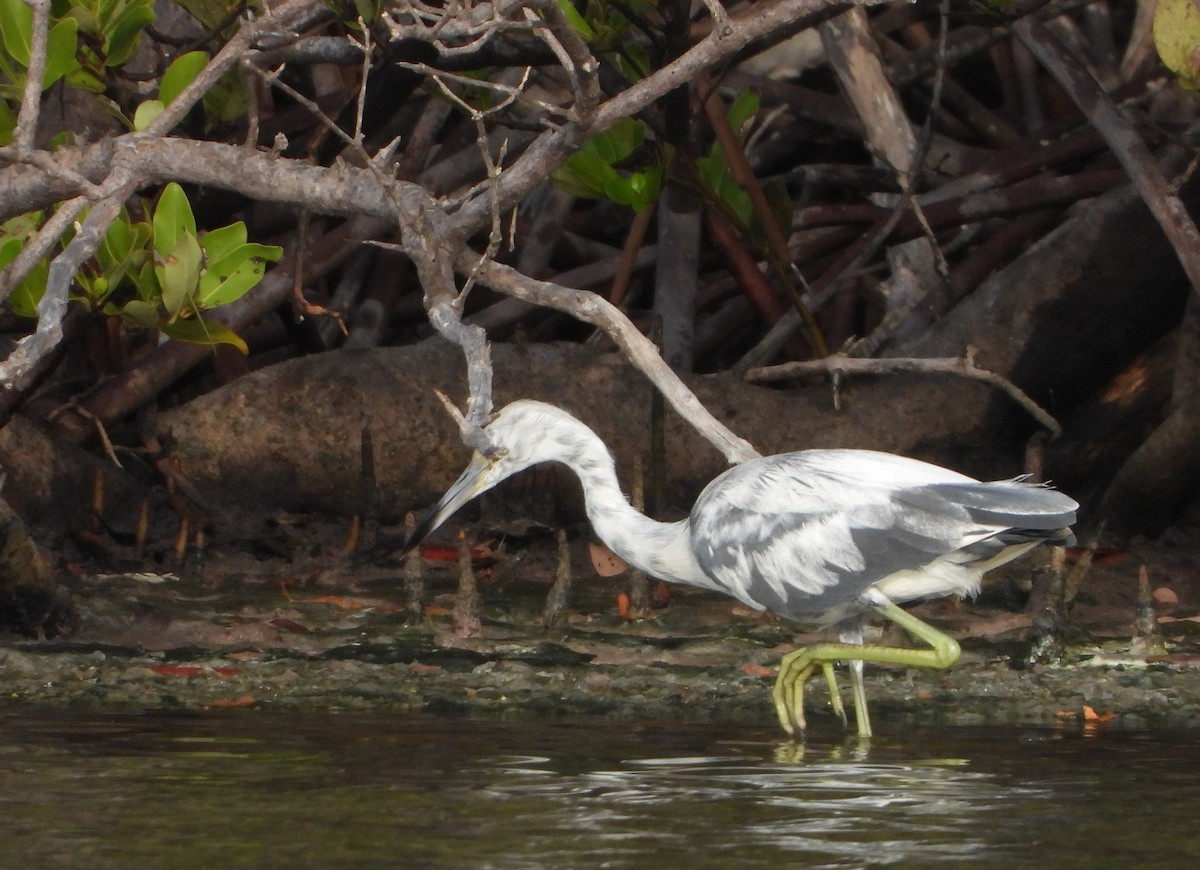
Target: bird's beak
{"x":470,"y":483}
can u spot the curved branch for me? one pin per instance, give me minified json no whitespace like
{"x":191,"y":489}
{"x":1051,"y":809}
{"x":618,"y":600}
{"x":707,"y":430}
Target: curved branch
{"x":597,"y":311}
{"x":839,"y":364}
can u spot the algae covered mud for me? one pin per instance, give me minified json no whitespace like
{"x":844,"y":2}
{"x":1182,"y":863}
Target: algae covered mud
{"x":163,"y":643}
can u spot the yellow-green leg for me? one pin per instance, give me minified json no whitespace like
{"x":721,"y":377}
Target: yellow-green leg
{"x":862,"y":718}
{"x":835,"y":694}
{"x":796,"y":667}
{"x":851,"y":633}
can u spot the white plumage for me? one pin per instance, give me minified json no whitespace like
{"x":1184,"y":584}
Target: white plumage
{"x":820,"y":536}
{"x":804,"y":534}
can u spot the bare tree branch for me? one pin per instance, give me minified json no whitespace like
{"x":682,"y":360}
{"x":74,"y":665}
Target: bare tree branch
{"x":838,"y":365}
{"x":432,"y":232}
{"x":16,"y":370}
{"x":31,"y":98}
{"x":597,"y":311}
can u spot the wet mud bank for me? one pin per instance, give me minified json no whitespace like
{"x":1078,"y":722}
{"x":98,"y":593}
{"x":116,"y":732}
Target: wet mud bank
{"x":337,"y":637}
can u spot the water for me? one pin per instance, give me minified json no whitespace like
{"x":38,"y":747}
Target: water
{"x":258,"y":789}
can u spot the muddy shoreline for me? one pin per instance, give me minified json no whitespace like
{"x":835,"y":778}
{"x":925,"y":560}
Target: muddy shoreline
{"x":334,"y":638}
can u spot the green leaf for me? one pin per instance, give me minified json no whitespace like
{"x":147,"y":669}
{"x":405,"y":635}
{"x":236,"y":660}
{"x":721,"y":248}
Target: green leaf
{"x":224,"y":241}
{"x":60,"y":52}
{"x":742,"y":112}
{"x":715,"y":172}
{"x":141,"y":313}
{"x":146,"y":282}
{"x":577,"y":21}
{"x":618,"y":141}
{"x":1177,"y":37}
{"x":210,"y":13}
{"x":639,"y":190}
{"x":117,"y":242}
{"x":178,"y":274}
{"x":25,"y":296}
{"x":182,"y":71}
{"x":633,"y":62}
{"x":8,"y":123}
{"x":23,"y":225}
{"x":145,"y":114}
{"x":9,"y":248}
{"x":14,"y":236}
{"x":124,"y":250}
{"x":96,"y":289}
{"x":232,"y":277}
{"x":619,"y":190}
{"x":196,"y":331}
{"x":16,"y":25}
{"x":585,"y":174}
{"x":592,"y":172}
{"x":173,"y":219}
{"x":226,"y":101}
{"x":121,"y":32}
{"x":84,"y":80}
{"x":368,"y":10}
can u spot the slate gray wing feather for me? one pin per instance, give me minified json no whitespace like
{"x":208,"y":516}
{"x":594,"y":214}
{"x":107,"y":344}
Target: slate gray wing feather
{"x":802,"y":533}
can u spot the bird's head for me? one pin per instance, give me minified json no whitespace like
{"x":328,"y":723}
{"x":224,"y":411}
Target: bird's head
{"x":520,"y":435}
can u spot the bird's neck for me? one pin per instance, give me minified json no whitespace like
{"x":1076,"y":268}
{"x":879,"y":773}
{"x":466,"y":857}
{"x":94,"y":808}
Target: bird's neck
{"x":662,"y":550}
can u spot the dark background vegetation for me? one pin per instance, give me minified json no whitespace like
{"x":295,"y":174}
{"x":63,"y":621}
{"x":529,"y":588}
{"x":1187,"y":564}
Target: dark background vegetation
{"x":798,"y":202}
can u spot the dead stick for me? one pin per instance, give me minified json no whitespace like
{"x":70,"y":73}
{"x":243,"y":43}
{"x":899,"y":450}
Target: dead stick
{"x":1122,"y":138}
{"x":554,"y":615}
{"x":838,"y":365}
{"x":466,"y":601}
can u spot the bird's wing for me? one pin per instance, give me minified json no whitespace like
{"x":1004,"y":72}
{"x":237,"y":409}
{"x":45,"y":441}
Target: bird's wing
{"x":1012,"y":503}
{"x":801,"y":533}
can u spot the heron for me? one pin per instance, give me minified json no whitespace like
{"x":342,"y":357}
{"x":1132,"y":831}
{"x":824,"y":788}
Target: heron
{"x":825,"y":537}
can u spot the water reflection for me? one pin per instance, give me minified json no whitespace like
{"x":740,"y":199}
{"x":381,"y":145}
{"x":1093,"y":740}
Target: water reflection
{"x":831,"y":807}
{"x":267,"y":790}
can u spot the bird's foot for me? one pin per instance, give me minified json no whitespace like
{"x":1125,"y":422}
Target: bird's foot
{"x":796,"y":667}
{"x":835,"y":694}
{"x":794,"y":670}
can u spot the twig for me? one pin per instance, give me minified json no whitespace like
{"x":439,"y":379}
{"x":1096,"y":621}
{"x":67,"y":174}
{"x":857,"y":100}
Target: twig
{"x":271,"y":77}
{"x":1130,"y":150}
{"x":280,"y":20}
{"x":41,"y":244}
{"x":121,"y":183}
{"x":361,"y":103}
{"x":414,"y":579}
{"x":554,"y":614}
{"x":778,"y":255}
{"x":101,"y":429}
{"x":839,"y":364}
{"x":744,"y":268}
{"x":628,"y":264}
{"x":553,"y":147}
{"x":855,"y":58}
{"x":31,"y":97}
{"x":16,"y":370}
{"x":597,"y":311}
{"x":466,"y":600}
{"x":303,"y":306}
{"x":845,"y":266}
{"x":639,"y":582}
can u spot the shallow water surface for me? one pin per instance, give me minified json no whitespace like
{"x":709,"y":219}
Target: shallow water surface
{"x":247,"y":788}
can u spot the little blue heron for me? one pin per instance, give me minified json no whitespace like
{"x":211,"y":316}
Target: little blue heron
{"x":818,"y":536}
